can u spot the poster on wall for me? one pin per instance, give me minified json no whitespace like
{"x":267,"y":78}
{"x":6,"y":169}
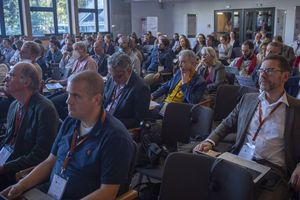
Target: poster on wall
{"x":191,"y":25}
{"x":150,"y":24}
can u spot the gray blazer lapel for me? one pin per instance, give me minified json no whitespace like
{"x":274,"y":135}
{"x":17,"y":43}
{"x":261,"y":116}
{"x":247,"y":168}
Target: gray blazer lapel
{"x":247,"y":114}
{"x":289,"y":120}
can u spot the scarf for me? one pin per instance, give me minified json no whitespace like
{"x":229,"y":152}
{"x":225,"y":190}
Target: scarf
{"x":251,"y":66}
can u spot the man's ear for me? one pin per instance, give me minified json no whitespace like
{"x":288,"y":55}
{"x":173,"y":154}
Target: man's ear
{"x":98,"y":99}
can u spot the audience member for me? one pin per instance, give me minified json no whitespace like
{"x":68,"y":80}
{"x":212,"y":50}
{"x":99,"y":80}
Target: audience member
{"x":296,"y":45}
{"x":200,"y":43}
{"x":92,"y":153}
{"x":160,"y":61}
{"x":125,"y":46}
{"x":32,"y":122}
{"x":100,"y":58}
{"x":287,"y":51}
{"x":224,"y":50}
{"x":247,"y":62}
{"x":211,"y":69}
{"x":127,"y":97}
{"x":16,"y":57}
{"x":272,"y":141}
{"x":7,"y":50}
{"x":108,"y":45}
{"x":186,"y":86}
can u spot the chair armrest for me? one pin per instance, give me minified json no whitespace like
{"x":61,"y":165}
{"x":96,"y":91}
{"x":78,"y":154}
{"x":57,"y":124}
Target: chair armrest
{"x":21,"y":174}
{"x":205,"y":102}
{"x":130,"y":195}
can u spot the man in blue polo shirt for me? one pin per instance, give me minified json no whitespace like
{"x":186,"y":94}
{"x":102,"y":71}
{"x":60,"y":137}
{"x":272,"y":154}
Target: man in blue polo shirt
{"x":92,"y":153}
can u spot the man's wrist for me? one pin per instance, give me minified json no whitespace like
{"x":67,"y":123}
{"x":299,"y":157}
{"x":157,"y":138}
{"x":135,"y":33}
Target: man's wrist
{"x":210,"y":142}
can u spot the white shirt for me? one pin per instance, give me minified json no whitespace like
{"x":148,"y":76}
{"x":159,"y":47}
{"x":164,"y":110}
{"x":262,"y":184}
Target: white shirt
{"x":269,"y":143}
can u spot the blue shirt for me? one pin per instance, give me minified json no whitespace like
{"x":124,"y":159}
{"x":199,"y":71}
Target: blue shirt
{"x":159,"y":57}
{"x":104,"y":158}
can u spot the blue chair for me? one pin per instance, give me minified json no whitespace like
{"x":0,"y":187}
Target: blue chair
{"x":292,"y":86}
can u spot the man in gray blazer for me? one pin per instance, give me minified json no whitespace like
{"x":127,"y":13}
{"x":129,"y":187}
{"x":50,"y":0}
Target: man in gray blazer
{"x":268,"y":125}
{"x":32,"y":123}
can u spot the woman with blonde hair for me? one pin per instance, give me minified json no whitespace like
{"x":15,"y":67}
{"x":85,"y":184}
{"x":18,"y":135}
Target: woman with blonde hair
{"x":212,"y":70}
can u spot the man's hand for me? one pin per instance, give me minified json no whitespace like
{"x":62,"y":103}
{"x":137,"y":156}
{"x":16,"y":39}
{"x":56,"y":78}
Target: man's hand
{"x":185,"y":77}
{"x":13,"y":191}
{"x":203,"y":146}
{"x":53,"y":81}
{"x":295,"y":179}
{"x":156,"y":76}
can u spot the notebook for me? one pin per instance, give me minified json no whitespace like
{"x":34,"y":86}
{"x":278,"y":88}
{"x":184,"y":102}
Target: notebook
{"x":232,"y":70}
{"x":245,"y":81}
{"x":36,"y":194}
{"x":256,"y":170}
{"x":54,"y":86}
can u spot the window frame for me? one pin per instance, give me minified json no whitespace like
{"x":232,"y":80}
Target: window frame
{"x":2,"y":20}
{"x":95,"y":11}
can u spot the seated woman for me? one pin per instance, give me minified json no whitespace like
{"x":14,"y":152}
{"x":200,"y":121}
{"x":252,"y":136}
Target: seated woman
{"x":225,"y":50}
{"x":212,"y":70}
{"x":261,"y":52}
{"x":184,"y":44}
{"x":200,"y":43}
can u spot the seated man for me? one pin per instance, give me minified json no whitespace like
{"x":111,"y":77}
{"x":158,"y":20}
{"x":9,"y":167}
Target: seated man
{"x":275,"y":48}
{"x":32,"y":124}
{"x":99,"y":163}
{"x":100,"y":58}
{"x":247,"y":62}
{"x":54,"y":54}
{"x":186,"y":86}
{"x":267,"y":127}
{"x":160,"y":61}
{"x":127,"y":97}
{"x":82,"y":62}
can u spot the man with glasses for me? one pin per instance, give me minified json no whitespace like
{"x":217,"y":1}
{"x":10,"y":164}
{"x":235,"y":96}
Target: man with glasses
{"x":127,"y":97}
{"x":267,"y":128}
{"x":32,"y":122}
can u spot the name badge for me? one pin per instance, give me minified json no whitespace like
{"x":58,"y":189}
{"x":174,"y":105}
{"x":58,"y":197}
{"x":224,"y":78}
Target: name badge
{"x":247,"y":151}
{"x":57,"y":187}
{"x":5,"y":153}
{"x":160,"y":68}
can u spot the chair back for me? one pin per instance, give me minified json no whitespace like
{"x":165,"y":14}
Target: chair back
{"x":292,"y":86}
{"x":202,"y":119}
{"x":227,"y":98}
{"x":176,"y":124}
{"x":189,"y":176}
{"x":125,"y":187}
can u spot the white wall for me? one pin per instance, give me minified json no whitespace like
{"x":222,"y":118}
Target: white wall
{"x":172,"y":18}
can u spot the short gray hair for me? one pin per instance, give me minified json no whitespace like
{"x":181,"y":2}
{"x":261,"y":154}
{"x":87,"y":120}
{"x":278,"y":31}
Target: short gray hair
{"x":94,"y":82}
{"x":81,"y":45}
{"x":28,"y":71}
{"x":188,"y":53}
{"x":119,"y":60}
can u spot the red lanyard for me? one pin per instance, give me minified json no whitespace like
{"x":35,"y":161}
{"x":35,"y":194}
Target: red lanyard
{"x":262,"y":121}
{"x":116,"y":95}
{"x":75,"y":143}
{"x":18,"y":119}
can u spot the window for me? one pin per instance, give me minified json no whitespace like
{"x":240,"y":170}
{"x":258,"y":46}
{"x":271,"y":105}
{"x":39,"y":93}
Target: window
{"x":10,"y":21}
{"x":49,"y":17}
{"x":88,"y":10}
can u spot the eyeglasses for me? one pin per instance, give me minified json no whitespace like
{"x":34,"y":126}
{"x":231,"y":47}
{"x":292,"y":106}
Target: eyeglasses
{"x":268,"y":71}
